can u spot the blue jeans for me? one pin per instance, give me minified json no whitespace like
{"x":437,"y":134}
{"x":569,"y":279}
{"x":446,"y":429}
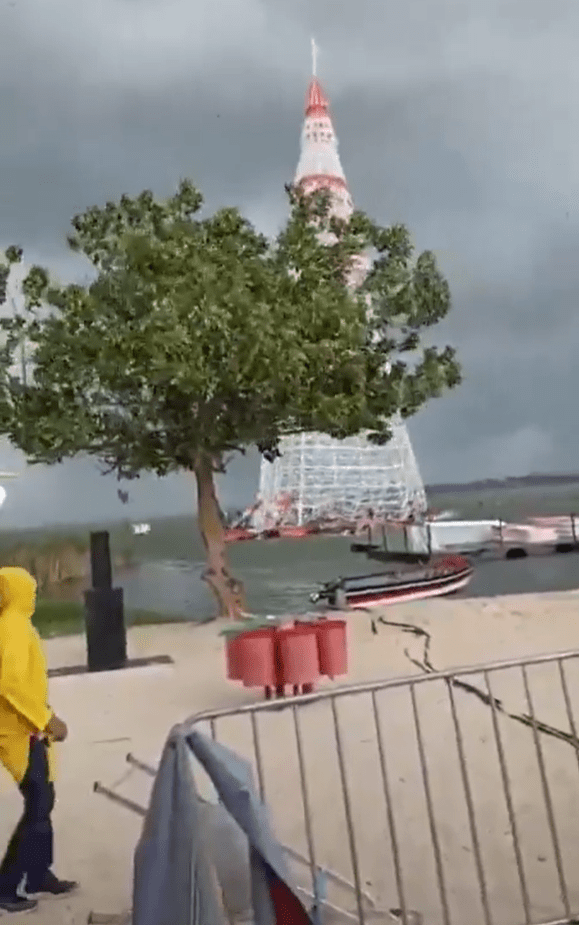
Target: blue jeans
{"x":30,"y":851}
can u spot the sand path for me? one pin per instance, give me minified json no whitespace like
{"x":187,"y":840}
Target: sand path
{"x":112,"y":714}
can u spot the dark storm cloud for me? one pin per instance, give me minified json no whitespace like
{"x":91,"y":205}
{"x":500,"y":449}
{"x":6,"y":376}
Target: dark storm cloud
{"x":454,"y":116}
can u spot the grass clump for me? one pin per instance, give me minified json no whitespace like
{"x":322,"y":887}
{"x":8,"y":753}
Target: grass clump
{"x":66,"y":618}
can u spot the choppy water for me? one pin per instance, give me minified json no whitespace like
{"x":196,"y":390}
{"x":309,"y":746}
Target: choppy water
{"x":176,"y":587}
{"x":280,"y":574}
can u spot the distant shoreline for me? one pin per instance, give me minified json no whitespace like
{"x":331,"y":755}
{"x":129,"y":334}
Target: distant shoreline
{"x":522,"y":481}
{"x":122,"y":534}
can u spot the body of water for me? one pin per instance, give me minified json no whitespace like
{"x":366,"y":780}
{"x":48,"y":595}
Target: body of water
{"x":279,"y":575}
{"x":281,"y":578}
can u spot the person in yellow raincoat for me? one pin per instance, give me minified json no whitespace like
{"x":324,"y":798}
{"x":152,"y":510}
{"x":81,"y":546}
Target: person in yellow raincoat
{"x":27,"y":729}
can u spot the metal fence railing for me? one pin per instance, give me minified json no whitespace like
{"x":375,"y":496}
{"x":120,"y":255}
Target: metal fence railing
{"x":447,"y":797}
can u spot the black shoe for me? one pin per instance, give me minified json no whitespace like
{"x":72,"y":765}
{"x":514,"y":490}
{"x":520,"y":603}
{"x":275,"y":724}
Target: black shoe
{"x":56,"y":887}
{"x":17,"y":904}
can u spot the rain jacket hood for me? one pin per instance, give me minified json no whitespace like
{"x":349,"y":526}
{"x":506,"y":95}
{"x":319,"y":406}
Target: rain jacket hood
{"x":17,"y":593}
{"x":24,"y":707}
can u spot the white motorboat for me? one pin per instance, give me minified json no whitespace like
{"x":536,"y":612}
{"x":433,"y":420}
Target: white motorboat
{"x":443,"y":535}
{"x":439,"y":536}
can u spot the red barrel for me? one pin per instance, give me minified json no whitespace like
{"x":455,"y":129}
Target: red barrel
{"x":233,"y":657}
{"x":299,"y":659}
{"x":332,"y":647}
{"x":256,"y":657}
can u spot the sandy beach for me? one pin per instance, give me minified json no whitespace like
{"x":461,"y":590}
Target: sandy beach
{"x":111,"y":714}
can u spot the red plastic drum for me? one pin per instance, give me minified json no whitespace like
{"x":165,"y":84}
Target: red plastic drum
{"x":256,"y":654}
{"x":332,"y":647}
{"x":233,"y":657}
{"x":299,"y":655}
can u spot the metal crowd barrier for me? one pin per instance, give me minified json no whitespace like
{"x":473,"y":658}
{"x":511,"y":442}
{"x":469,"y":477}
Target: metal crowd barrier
{"x":444,"y":797}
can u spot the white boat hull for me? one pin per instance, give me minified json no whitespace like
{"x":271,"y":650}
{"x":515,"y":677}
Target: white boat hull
{"x":443,"y":535}
{"x":449,"y":534}
{"x":419,"y":594}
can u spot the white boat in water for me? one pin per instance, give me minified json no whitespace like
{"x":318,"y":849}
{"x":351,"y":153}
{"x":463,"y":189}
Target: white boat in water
{"x":446,"y":576}
{"x":140,"y":529}
{"x":443,"y":535}
{"x":545,"y":530}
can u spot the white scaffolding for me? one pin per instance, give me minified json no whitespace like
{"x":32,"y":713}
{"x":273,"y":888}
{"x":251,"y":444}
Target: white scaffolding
{"x":319,"y":480}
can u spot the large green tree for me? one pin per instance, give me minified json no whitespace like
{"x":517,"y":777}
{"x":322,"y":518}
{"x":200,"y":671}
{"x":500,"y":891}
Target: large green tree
{"x":198,"y":337}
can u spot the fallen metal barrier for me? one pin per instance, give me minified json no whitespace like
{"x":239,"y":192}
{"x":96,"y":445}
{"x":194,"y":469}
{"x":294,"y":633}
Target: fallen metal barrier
{"x":455,"y":793}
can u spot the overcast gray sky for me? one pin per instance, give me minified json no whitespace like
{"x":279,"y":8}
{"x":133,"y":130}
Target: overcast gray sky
{"x":458,"y":117}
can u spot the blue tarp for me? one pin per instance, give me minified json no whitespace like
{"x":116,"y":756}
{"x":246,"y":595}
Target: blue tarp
{"x":174,"y":882}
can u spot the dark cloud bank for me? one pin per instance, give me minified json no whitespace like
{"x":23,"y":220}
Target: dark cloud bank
{"x":459,"y":118}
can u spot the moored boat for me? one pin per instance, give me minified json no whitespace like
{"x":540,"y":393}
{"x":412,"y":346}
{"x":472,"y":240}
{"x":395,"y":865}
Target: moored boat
{"x":296,"y":532}
{"x":447,"y":575}
{"x":239,"y":534}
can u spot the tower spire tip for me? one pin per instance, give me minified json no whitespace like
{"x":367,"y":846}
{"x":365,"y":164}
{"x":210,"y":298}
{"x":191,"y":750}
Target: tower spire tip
{"x":315,"y":50}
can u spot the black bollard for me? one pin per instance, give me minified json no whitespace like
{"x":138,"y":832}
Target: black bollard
{"x":106,"y":637}
{"x":101,"y":569}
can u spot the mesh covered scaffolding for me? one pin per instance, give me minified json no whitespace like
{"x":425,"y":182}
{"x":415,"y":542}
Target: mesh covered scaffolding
{"x":318,"y":480}
{"x":323,"y":481}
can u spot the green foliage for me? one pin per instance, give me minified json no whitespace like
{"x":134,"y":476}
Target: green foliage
{"x":58,"y":618}
{"x":200,"y":336}
{"x":65,"y":618}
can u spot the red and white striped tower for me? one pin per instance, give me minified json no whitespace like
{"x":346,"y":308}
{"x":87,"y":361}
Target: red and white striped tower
{"x":317,"y":478}
{"x":319,"y":166}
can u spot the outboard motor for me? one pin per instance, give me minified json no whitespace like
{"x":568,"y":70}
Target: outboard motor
{"x":333,"y":592}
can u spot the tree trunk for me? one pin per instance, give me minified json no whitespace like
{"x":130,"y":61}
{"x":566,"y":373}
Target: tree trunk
{"x":228,"y":591}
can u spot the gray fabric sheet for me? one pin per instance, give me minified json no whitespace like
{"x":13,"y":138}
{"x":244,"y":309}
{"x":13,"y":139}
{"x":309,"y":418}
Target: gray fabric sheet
{"x":184,"y":842}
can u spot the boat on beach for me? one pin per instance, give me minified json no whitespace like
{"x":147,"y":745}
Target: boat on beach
{"x":447,"y":575}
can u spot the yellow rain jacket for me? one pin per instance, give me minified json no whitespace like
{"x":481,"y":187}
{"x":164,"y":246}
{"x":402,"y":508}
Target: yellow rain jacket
{"x":24,"y":709}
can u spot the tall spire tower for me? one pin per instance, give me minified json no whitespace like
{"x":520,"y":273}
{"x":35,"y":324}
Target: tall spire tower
{"x":318,"y":479}
{"x":319,"y":165}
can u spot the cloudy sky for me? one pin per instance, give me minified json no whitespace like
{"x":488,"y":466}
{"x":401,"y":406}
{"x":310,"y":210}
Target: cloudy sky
{"x":458,"y":117}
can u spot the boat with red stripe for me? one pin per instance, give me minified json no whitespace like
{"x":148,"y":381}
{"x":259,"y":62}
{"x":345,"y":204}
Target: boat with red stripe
{"x":446,"y":575}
